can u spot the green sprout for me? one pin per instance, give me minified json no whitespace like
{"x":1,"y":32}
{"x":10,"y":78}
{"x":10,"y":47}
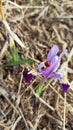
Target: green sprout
{"x":13,"y":57}
{"x":41,"y":88}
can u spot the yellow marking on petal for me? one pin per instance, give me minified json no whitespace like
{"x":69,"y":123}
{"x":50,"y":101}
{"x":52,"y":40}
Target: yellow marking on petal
{"x":33,"y":71}
{"x":1,"y":11}
{"x":65,"y":79}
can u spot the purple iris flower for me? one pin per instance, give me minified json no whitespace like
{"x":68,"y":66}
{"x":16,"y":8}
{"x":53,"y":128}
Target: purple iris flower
{"x":49,"y":67}
{"x":54,"y":60}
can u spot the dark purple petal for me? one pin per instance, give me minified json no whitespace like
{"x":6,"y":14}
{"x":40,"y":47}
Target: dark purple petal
{"x":27,"y":77}
{"x":65,"y":87}
{"x":52,"y":53}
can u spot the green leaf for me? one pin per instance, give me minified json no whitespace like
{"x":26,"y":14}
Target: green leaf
{"x":26,"y":61}
{"x":15,"y":55}
{"x":39,"y":90}
{"x":9,"y":57}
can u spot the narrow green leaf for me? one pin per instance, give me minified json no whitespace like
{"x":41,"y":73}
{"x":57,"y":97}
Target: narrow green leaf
{"x":15,"y":54}
{"x":26,"y":61}
{"x":39,"y":90}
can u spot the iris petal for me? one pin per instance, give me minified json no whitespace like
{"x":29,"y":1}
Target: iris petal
{"x":41,"y":66}
{"x":65,"y":51}
{"x":54,"y":75}
{"x":65,"y":87}
{"x":27,"y":77}
{"x":52,"y":53}
{"x":49,"y":70}
{"x":59,"y":60}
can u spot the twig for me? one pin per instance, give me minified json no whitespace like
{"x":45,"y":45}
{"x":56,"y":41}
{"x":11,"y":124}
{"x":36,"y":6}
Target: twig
{"x":69,"y":107}
{"x":14,"y":36}
{"x":59,"y":38}
{"x":64,"y":111}
{"x":15,"y":124}
{"x":64,"y":17}
{"x":1,"y":10}
{"x":46,"y":104}
{"x":54,"y":119}
{"x":27,"y":6}
{"x":5,"y":127}
{"x":67,"y":3}
{"x":5,"y":94}
{"x":2,"y":112}
{"x":42,"y":13}
{"x":37,"y":121}
{"x":3,"y":50}
{"x":23,"y":118}
{"x":20,"y":83}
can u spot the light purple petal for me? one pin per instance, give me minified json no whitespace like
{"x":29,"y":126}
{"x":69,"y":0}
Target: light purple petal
{"x":59,"y":60}
{"x":41,"y":66}
{"x":57,"y":65}
{"x":62,"y":73}
{"x":52,"y":53}
{"x":54,"y":75}
{"x":65,"y":51}
{"x":49,"y":70}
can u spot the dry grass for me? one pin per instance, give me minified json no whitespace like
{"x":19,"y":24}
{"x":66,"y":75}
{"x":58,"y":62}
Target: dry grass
{"x":38,"y":26}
